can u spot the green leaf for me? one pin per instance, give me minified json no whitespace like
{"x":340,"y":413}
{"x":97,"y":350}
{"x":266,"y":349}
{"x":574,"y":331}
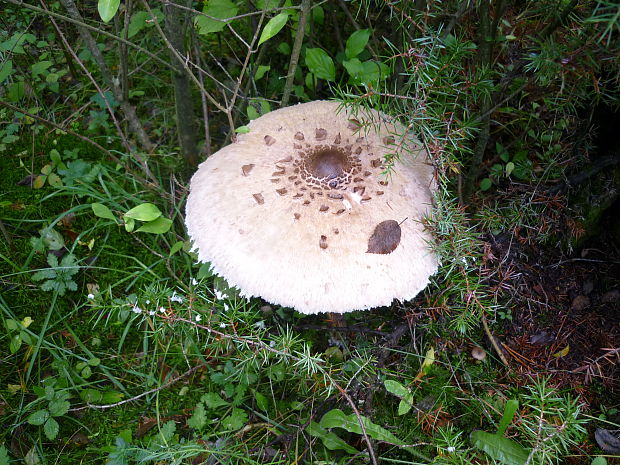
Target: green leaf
{"x":144,"y":212}
{"x":599,"y":461}
{"x":4,"y":454}
{"x":40,"y":67}
{"x":51,"y":428}
{"x":510,"y":409}
{"x":394,"y":387}
{"x":274,"y":26}
{"x":220,"y":9}
{"x":236,"y":420}
{"x":338,"y":419}
{"x":261,"y":401}
{"x":500,"y":448}
{"x":485,"y":184}
{"x":176,"y":247}
{"x":58,"y":408}
{"x":356,"y":43}
{"x":11,"y":324}
{"x":260,"y":72}
{"x":320,"y":64}
{"x":102,"y":211}
{"x":111,"y":397}
{"x":510,"y":167}
{"x":16,"y":91}
{"x":242,"y":130}
{"x":91,"y":396}
{"x":141,"y":20}
{"x":330,"y":440}
{"x":251,"y":112}
{"x":15,"y":343}
{"x":54,"y":180}
{"x":405,"y":405}
{"x":130,"y":224}
{"x":213,"y":400}
{"x":160,"y":225}
{"x":198,"y":420}
{"x":5,"y":70}
{"x":39,"y":417}
{"x":107,"y":9}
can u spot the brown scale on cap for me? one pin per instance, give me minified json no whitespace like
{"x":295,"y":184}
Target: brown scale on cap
{"x":327,"y":169}
{"x":323,"y":242}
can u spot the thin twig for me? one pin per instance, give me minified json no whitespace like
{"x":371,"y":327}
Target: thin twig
{"x":487,"y":330}
{"x":299,"y":39}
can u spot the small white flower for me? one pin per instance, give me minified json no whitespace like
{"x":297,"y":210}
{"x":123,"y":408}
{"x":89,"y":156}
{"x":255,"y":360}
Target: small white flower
{"x":272,"y":343}
{"x":197,"y":318}
{"x":225,"y":307}
{"x":90,"y":296}
{"x":222,"y":325}
{"x":162,"y":309}
{"x":194,"y":282}
{"x":259,"y":324}
{"x":220,"y":295}
{"x":450,"y":449}
{"x":176,"y":298}
{"x":148,"y":302}
{"x":151,"y":312}
{"x":136,"y":309}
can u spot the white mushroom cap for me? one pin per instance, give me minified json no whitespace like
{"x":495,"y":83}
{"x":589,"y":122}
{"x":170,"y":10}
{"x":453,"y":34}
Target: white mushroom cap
{"x":299,"y":210}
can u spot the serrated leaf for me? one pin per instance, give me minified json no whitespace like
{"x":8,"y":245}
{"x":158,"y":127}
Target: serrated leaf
{"x":102,"y":211}
{"x":320,"y":64}
{"x":58,"y":408}
{"x":330,"y":440}
{"x":236,"y":420}
{"x":51,"y":428}
{"x":144,"y":212}
{"x":198,"y":420}
{"x":160,"y":225}
{"x":213,"y":400}
{"x":274,"y":26}
{"x":91,"y":396}
{"x":499,"y":448}
{"x":356,"y":43}
{"x":111,"y":397}
{"x":107,"y":9}
{"x":39,"y":417}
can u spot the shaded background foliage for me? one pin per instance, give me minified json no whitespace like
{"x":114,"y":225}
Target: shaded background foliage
{"x":107,"y":107}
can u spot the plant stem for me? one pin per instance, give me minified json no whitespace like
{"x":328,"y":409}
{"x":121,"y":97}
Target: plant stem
{"x":299,"y":39}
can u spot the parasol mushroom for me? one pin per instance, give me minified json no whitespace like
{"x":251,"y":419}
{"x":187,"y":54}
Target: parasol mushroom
{"x":302,"y":212}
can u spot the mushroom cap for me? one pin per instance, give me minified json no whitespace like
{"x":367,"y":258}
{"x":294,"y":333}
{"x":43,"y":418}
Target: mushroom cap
{"x":300,"y":210}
